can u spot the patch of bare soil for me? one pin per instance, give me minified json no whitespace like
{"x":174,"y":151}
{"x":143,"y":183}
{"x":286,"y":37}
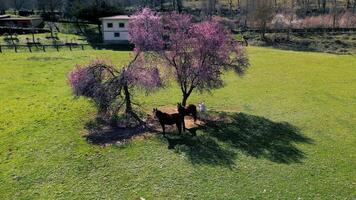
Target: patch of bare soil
{"x":102,"y":134}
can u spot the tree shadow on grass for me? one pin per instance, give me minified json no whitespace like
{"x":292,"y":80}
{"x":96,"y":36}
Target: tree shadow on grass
{"x":100,"y":133}
{"x":217,"y":142}
{"x":201,"y":149}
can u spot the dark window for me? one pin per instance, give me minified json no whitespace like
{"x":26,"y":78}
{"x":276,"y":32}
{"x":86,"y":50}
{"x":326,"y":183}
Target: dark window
{"x":121,"y":25}
{"x":116,"y":34}
{"x":109,"y":25}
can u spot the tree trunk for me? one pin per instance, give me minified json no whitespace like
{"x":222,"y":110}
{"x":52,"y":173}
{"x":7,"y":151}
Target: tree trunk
{"x":324,"y":6}
{"x":12,"y":41}
{"x":230,"y":8}
{"x":263,"y":33}
{"x":162,"y":5}
{"x":179,"y":6}
{"x":128,"y":109}
{"x":99,"y":29}
{"x":334,"y":13}
{"x":34,"y":39}
{"x":184,"y":100}
{"x":334,"y":21}
{"x":174,"y":4}
{"x":128,"y":103}
{"x":78,"y":25}
{"x":246,"y":14}
{"x":319,"y":5}
{"x":51,"y":29}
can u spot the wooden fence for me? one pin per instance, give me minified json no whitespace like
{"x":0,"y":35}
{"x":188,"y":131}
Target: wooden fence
{"x":67,"y":46}
{"x":44,"y":48}
{"x":22,"y":30}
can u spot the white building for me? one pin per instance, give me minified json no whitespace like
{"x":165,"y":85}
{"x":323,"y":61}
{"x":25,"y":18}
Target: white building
{"x":115,"y":29}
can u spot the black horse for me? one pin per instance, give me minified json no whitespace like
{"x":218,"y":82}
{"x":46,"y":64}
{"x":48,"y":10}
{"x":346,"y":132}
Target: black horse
{"x":168,"y":119}
{"x":190,"y":110}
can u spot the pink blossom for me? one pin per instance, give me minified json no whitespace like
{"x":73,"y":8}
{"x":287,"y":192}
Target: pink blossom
{"x":347,"y":20}
{"x":77,"y":79}
{"x":198,"y":52}
{"x":146,"y":30}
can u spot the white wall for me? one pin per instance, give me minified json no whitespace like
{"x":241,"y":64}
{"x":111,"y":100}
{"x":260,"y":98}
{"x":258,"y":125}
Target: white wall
{"x":36,"y":22}
{"x":109,"y":36}
{"x":109,"y":33}
{"x":115,"y":25}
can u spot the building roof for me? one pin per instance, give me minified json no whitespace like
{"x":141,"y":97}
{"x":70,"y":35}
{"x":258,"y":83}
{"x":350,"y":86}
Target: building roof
{"x":125,"y":17}
{"x":19,"y":19}
{"x":4,"y":16}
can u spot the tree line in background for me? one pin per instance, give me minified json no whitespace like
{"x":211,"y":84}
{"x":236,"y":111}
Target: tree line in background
{"x":260,"y":14}
{"x":209,"y":7}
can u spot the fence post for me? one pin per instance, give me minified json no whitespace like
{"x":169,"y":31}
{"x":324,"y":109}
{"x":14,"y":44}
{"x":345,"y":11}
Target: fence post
{"x":44,"y":48}
{"x":57,"y":47}
{"x":70,"y":46}
{"x":82,"y":47}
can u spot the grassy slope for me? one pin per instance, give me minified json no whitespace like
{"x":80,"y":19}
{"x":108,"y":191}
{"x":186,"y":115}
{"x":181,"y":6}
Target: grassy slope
{"x":43,"y":155}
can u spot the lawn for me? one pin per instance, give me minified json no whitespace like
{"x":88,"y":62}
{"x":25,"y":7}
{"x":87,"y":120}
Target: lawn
{"x":293,"y":134}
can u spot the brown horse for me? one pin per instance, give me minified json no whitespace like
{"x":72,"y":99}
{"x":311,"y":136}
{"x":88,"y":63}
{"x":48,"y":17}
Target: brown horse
{"x":168,"y":119}
{"x":190,"y":110}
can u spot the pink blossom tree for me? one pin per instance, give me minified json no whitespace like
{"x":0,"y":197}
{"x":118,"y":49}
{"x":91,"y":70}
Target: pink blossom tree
{"x":96,"y":81}
{"x":110,"y":87}
{"x":198,"y":53}
{"x":140,"y":74}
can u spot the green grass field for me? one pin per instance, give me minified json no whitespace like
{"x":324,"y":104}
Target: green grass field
{"x":293,"y":135}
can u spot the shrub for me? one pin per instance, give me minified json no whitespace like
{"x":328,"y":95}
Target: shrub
{"x":321,"y":21}
{"x":280,"y":21}
{"x":347,"y":20}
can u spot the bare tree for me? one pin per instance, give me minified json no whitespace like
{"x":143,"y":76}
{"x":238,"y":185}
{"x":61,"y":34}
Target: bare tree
{"x":18,"y":4}
{"x":263,"y":13}
{"x":334,"y":12}
{"x":230,"y":7}
{"x":3,"y":4}
{"x":50,"y":6}
{"x":348,"y":4}
{"x":324,"y":6}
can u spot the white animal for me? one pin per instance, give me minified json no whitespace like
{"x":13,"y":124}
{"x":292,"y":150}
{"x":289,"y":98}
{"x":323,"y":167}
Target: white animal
{"x":201,"y":107}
